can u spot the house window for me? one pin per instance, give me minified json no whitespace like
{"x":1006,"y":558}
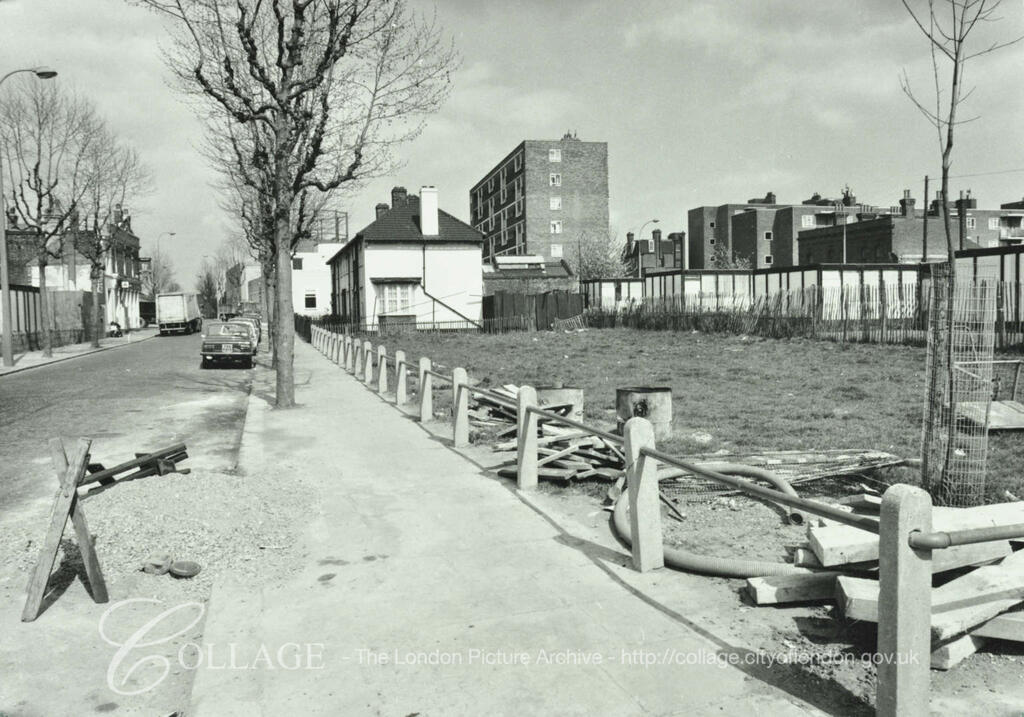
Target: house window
{"x":554,"y":155}
{"x":556,"y":179}
{"x":296,"y":264}
{"x":712,"y":225}
{"x":396,"y":297}
{"x":993,"y":223}
{"x":767,"y":259}
{"x":807,"y":220}
{"x":310,"y":299}
{"x":767,"y":236}
{"x":712,"y":242}
{"x":517,"y":163}
{"x":556,"y":251}
{"x":556,"y":203}
{"x":972,"y":222}
{"x":556,"y":227}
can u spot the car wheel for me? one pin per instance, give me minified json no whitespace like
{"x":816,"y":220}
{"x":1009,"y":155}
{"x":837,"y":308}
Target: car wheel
{"x":204,"y":364}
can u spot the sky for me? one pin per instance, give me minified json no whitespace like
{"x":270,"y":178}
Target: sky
{"x":699,"y":102}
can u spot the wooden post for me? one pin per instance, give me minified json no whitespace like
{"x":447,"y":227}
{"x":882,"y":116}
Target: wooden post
{"x":460,"y":407}
{"x":367,"y":363}
{"x":400,"y":377}
{"x":382,"y":369}
{"x":904,"y":605}
{"x":526,"y":439}
{"x":426,"y":392}
{"x":644,"y":501}
{"x":64,"y":506}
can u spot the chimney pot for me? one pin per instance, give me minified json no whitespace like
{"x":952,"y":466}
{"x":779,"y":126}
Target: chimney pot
{"x":381,"y":209}
{"x":398,"y":196}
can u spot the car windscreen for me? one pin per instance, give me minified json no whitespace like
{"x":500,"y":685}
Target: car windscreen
{"x":234,"y":330}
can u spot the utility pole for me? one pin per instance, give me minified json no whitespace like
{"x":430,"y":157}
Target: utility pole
{"x":961,"y":218}
{"x":924,"y":228}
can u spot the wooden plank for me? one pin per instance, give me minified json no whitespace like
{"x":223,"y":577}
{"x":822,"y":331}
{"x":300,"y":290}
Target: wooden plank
{"x":863,"y":502}
{"x":778,"y":589}
{"x":954,"y":652}
{"x":1002,"y":415}
{"x":97,"y":584}
{"x":59,"y":514}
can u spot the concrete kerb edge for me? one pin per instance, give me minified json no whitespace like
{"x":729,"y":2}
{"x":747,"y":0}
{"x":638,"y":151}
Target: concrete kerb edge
{"x":16,"y":369}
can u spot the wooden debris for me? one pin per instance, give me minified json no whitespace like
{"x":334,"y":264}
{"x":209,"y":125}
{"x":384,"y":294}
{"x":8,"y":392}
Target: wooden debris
{"x":862,"y":502}
{"x":778,"y":589}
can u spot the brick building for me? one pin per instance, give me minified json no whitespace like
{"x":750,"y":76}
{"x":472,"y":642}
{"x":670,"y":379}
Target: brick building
{"x":542,"y":198}
{"x":899,"y":235}
{"x":641,"y":256}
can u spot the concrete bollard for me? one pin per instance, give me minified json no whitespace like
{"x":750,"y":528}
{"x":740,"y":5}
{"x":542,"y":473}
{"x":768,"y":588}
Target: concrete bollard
{"x":426,"y":392}
{"x":400,"y":377}
{"x":460,"y":407}
{"x":382,"y":369}
{"x":367,"y":363}
{"x":526,"y":439}
{"x":350,"y":354}
{"x":357,"y":365}
{"x":904,"y":605}
{"x":644,"y":503}
{"x":314,"y":336}
{"x":339,"y":349}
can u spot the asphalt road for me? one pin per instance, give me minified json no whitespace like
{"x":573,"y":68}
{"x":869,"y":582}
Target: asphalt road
{"x":135,"y":398}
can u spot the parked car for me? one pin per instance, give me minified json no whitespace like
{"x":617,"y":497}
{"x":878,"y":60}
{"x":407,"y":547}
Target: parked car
{"x":233,"y":341}
{"x":255,"y":326}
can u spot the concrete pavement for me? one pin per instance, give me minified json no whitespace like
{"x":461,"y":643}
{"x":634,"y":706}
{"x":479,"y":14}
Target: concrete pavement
{"x":34,"y":359}
{"x":429,"y":587}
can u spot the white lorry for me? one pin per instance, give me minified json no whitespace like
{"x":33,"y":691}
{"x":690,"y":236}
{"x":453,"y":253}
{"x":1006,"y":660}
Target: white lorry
{"x":178,"y":313}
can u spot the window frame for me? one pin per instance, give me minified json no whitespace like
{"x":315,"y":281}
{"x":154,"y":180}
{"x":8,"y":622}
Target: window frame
{"x":310,"y":295}
{"x":555,"y":203}
{"x":768,"y":260}
{"x":554,"y":154}
{"x":555,"y":179}
{"x":555,"y":226}
{"x":296,"y":263}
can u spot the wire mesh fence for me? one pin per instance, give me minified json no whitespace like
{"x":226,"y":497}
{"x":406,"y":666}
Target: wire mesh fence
{"x":958,"y":390}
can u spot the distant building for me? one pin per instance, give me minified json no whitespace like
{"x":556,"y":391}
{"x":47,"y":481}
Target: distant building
{"x":122,"y":265}
{"x":542,"y":198}
{"x":311,"y":277}
{"x":898,"y":236}
{"x":414,"y":264}
{"x":641,"y":256}
{"x":528,"y":275}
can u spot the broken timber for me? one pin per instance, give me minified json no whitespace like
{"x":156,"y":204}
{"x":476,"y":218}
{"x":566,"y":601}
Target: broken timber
{"x":65,"y":505}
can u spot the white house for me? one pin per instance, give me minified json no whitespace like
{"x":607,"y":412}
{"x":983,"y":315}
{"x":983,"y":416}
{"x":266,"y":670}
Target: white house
{"x":414,"y":264}
{"x":311,"y":277}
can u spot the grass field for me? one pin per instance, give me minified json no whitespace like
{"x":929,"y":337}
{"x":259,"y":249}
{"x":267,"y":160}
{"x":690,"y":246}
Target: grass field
{"x":747,"y":393}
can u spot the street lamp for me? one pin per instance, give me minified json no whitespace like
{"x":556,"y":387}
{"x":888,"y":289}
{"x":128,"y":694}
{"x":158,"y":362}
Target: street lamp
{"x":7,"y":333}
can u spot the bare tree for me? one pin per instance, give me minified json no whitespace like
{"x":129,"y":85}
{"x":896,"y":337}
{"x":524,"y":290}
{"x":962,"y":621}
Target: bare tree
{"x":47,"y":136}
{"x":207,"y":290}
{"x":948,"y":26}
{"x":331,"y":85}
{"x":118,"y":178}
{"x":160,"y":278}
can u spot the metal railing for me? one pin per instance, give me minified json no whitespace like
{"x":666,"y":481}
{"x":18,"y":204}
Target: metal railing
{"x":906,"y":539}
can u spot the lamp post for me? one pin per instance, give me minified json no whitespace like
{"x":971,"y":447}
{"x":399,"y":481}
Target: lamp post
{"x":7,"y":334}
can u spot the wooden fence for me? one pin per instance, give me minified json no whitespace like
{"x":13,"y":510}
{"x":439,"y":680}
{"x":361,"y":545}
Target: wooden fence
{"x":889,"y":314}
{"x":543,"y":309}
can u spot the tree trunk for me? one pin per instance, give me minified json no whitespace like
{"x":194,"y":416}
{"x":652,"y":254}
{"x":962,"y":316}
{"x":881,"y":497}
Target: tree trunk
{"x":285,"y":318}
{"x":98,"y":293}
{"x":46,"y":311}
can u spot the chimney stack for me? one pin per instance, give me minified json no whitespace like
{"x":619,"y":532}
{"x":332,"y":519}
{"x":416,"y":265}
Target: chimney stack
{"x":381,"y":209}
{"x":907,"y":204}
{"x":398,"y":196}
{"x":428,"y":211}
{"x":117,"y":215}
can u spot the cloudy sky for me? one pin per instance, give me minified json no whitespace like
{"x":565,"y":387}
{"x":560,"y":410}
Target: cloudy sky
{"x":700,"y":103}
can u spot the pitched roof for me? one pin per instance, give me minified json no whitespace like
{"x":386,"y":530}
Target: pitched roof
{"x":402,"y":224}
